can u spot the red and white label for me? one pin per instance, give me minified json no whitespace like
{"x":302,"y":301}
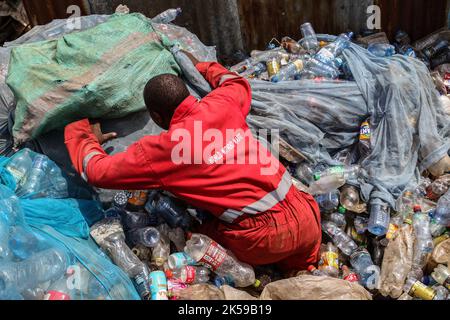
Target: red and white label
{"x":214,"y":256}
{"x":56,"y":295}
{"x":352,"y":277}
{"x":190,"y":274}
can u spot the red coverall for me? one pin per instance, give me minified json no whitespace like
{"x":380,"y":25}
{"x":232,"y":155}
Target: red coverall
{"x":263,"y":218}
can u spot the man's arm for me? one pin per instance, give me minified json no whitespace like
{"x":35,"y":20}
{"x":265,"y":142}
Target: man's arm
{"x":127,"y":170}
{"x":227,"y":85}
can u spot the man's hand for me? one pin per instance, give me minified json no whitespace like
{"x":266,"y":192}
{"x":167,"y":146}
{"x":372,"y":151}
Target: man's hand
{"x":102,"y":138}
{"x":191,"y":57}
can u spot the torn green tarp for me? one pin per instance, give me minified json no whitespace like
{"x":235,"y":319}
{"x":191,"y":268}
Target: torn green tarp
{"x":97,"y":73}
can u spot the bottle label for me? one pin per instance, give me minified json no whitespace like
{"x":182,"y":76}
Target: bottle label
{"x":337,"y":170}
{"x":142,"y":286}
{"x":330,"y":259}
{"x":181,"y":259}
{"x":392,"y":231}
{"x":352,"y":277}
{"x":158,"y":285}
{"x":138,"y":198}
{"x":214,"y":256}
{"x":447,"y":283}
{"x":190,"y":274}
{"x":174,"y":287}
{"x":421,"y":291}
{"x":365,"y":133}
{"x":56,"y":295}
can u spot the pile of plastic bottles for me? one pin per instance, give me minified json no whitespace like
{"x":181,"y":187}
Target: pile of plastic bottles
{"x":310,"y":58}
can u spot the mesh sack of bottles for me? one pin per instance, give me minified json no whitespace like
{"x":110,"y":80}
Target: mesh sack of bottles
{"x":45,"y":249}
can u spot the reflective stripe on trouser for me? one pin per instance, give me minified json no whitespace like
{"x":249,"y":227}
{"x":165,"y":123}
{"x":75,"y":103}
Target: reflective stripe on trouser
{"x":264,"y":204}
{"x":86,"y":162}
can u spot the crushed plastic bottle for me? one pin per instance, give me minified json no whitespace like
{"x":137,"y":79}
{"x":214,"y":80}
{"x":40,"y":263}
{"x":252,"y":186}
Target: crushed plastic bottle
{"x":337,"y":217}
{"x":189,"y":274}
{"x":169,"y":209}
{"x":442,"y":275}
{"x":417,"y":289}
{"x":20,"y":165}
{"x":339,"y":238}
{"x":32,"y":184}
{"x":367,"y":271}
{"x":288,"y":72}
{"x":380,"y":218}
{"x":328,"y":202}
{"x":441,"y":216}
{"x":329,"y":260}
{"x":179,"y":260}
{"x":423,"y":245}
{"x":212,"y":255}
{"x":148,"y":237}
{"x":167,"y":16}
{"x":161,"y":251}
{"x":381,"y":49}
{"x":47,"y":265}
{"x":351,"y":201}
{"x":310,"y":41}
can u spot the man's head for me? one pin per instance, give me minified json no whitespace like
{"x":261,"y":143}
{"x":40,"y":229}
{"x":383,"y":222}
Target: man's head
{"x":162,"y":95}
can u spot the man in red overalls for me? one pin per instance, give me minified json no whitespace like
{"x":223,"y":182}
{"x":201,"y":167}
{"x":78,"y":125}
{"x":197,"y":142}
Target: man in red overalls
{"x":209,"y":158}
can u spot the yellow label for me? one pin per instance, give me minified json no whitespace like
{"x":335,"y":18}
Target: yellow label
{"x":421,"y":291}
{"x":299,"y":65}
{"x":392,"y":231}
{"x":273,"y":67}
{"x":330,"y":259}
{"x":365,"y":132}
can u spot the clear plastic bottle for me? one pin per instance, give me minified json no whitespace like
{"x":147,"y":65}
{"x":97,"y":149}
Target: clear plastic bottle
{"x":351,"y":200}
{"x":326,"y":184}
{"x":441,"y":292}
{"x":22,"y":242}
{"x":441,"y":216}
{"x":406,"y":205}
{"x":328,"y":202}
{"x":381,"y":49}
{"x":361,"y":224}
{"x":417,"y":289}
{"x":142,"y":282}
{"x":337,"y":217}
{"x":423,"y":245}
{"x":20,"y":164}
{"x":169,"y":209}
{"x":339,"y":238}
{"x":437,"y":48}
{"x":4,"y":236}
{"x":367,"y":271}
{"x":289,"y":71}
{"x":47,"y":265}
{"x":110,"y":236}
{"x":305,"y":173}
{"x":329,"y":260}
{"x":212,"y":255}
{"x":380,"y":218}
{"x":310,"y":41}
{"x":35,"y":181}
{"x":161,"y":251}
{"x":395,"y":224}
{"x":315,"y":272}
{"x":148,"y":237}
{"x":189,"y":274}
{"x":180,"y":259}
{"x":255,"y":70}
{"x":167,"y":16}
{"x":178,"y":238}
{"x":442,"y":275}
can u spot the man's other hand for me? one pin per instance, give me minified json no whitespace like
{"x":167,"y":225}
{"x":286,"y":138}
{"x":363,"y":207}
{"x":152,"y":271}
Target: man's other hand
{"x":191,"y":57}
{"x":102,"y":138}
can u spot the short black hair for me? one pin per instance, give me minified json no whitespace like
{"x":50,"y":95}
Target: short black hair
{"x":164,"y":93}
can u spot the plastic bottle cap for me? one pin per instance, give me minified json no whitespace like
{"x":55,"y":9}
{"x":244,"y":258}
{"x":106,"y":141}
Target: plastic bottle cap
{"x":311,"y":268}
{"x":317,"y":177}
{"x":169,"y":273}
{"x":417,"y":208}
{"x":257,"y":283}
{"x":342,"y":210}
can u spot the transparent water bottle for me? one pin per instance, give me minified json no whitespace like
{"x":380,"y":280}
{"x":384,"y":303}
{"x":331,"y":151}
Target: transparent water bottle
{"x":180,"y":259}
{"x":41,"y":267}
{"x":148,"y":237}
{"x":441,"y":216}
{"x":339,"y":238}
{"x":328,"y":202}
{"x":337,"y":217}
{"x":4,"y":236}
{"x":310,"y":41}
{"x":171,"y":210}
{"x":167,"y":16}
{"x":22,"y":242}
{"x":351,"y":200}
{"x":423,"y":245}
{"x":367,"y":271}
{"x":288,"y":72}
{"x":161,"y":251}
{"x":189,"y":274}
{"x":442,"y":275}
{"x":381,"y":49}
{"x":380,"y":218}
{"x":135,"y":220}
{"x":212,"y":255}
{"x":305,"y":173}
{"x":20,"y":164}
{"x":34,"y":183}
{"x":326,"y":184}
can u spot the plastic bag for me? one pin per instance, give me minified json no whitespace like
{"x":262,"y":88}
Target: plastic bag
{"x":440,"y":255}
{"x":397,"y":263}
{"x":201,"y":292}
{"x":236,"y":294}
{"x":314,"y":288}
{"x":35,"y":232}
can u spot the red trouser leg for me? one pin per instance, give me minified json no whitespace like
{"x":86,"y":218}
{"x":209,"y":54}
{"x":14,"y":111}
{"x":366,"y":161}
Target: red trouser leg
{"x":289,"y":234}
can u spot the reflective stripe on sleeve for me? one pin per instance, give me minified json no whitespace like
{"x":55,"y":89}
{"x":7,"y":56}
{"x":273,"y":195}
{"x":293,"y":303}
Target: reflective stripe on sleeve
{"x":86,"y":162}
{"x":228,"y":77}
{"x":265,"y":203}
